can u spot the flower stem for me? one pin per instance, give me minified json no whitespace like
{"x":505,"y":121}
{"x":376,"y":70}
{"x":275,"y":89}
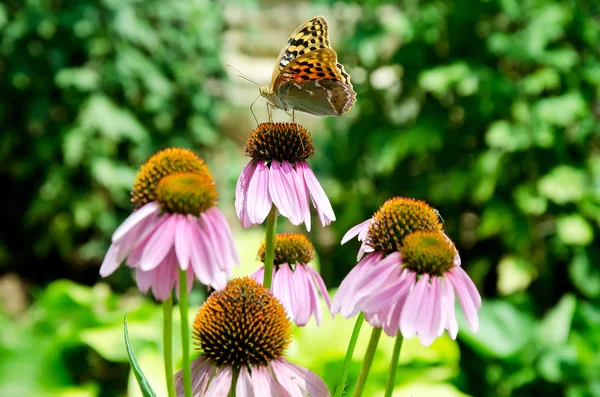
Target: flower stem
{"x":391,"y":380}
{"x":368,"y":360}
{"x":168,"y":344}
{"x":339,"y":389}
{"x":270,"y":247}
{"x":185,"y":336}
{"x":233,"y":387}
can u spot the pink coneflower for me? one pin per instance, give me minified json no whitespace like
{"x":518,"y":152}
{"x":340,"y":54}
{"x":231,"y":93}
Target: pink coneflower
{"x":175,"y":226}
{"x":279,"y":175}
{"x":243,"y":332}
{"x":295,"y":284}
{"x":409,"y":277}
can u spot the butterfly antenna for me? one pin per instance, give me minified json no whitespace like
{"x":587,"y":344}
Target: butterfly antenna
{"x":242,"y":75}
{"x":252,"y":111}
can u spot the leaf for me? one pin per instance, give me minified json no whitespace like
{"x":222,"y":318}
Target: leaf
{"x":584,"y":274}
{"x":563,"y":184}
{"x":574,"y":230}
{"x":139,"y":375}
{"x":554,"y":329}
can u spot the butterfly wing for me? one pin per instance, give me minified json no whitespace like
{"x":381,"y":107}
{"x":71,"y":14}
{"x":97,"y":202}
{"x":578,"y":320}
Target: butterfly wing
{"x":312,"y":35}
{"x":316,"y":83}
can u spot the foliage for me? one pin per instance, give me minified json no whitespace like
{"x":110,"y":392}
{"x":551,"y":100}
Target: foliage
{"x":89,"y":91}
{"x":489,"y":111}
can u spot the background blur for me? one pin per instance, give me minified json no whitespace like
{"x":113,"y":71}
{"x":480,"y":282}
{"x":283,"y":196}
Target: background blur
{"x":488,"y":110}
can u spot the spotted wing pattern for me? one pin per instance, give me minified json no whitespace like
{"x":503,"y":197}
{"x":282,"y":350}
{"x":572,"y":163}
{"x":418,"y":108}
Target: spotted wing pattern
{"x":316,"y":83}
{"x":312,"y":35}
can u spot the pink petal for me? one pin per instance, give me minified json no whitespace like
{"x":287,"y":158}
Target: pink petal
{"x":459,"y":273}
{"x":262,"y":382}
{"x":321,"y":285}
{"x":412,"y":306}
{"x":143,"y":280}
{"x":259,"y":275}
{"x":222,"y":226}
{"x":134,"y":258}
{"x":315,"y":307}
{"x":285,"y":289}
{"x":447,"y":291}
{"x":317,"y":194}
{"x":355,"y":231}
{"x":182,"y":242}
{"x":241,"y":188}
{"x":302,"y":194}
{"x":201,"y":374}
{"x":202,"y":257}
{"x":308,"y":381}
{"x":221,"y":383}
{"x":244,"y":386}
{"x":213,"y":239}
{"x":431,"y":314}
{"x":303,"y":307}
{"x":258,"y":200}
{"x":110,"y":262}
{"x":149,"y":210}
{"x":165,"y":277}
{"x":466,"y":301}
{"x":159,"y":244}
{"x":283,"y":191}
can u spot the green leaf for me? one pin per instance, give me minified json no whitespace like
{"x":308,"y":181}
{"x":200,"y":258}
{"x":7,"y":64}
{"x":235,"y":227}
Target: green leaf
{"x":563,"y":184}
{"x":574,"y":230}
{"x":554,"y":329}
{"x":584,"y":273}
{"x":139,"y":375}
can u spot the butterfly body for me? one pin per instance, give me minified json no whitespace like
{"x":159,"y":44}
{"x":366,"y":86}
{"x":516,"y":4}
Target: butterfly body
{"x":307,"y":76}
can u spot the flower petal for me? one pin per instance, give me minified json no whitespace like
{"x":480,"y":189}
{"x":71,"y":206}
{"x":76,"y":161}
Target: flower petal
{"x":149,"y":210}
{"x":241,"y":188}
{"x":221,"y":383}
{"x":284,"y":288}
{"x":283,"y":191}
{"x":159,"y":244}
{"x":447,"y":291}
{"x":466,"y":301}
{"x":317,"y":194}
{"x":355,"y":231}
{"x":412,"y":307}
{"x":258,"y":199}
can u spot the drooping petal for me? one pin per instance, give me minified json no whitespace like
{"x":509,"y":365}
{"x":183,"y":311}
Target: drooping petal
{"x":244,"y":386}
{"x":321,"y":284}
{"x":138,"y":216}
{"x":283,"y":192}
{"x":221,"y":383}
{"x":447,"y":291}
{"x":202,"y":257}
{"x":222,"y":226}
{"x":412,"y":306}
{"x":355,"y":231}
{"x":143,"y":280}
{"x":317,"y":194}
{"x":202,"y":371}
{"x":302,"y":194}
{"x":307,"y":380}
{"x":263,"y":384}
{"x":110,"y":262}
{"x":458,"y":272}
{"x":315,"y":307}
{"x":258,"y":199}
{"x":464,"y":297}
{"x":160,"y":243}
{"x":182,"y":242}
{"x":165,"y":277}
{"x":241,"y":188}
{"x":303,"y":307}
{"x":285,"y":289}
{"x":431,"y":314}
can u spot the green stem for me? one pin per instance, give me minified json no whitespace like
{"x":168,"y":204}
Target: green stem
{"x":270,"y":247}
{"x":234,"y":379}
{"x":185,"y":336}
{"x":368,"y":360}
{"x":339,"y":389}
{"x":168,"y":344}
{"x":391,"y":380}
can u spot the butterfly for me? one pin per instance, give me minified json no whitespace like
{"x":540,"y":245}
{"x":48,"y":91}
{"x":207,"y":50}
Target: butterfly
{"x":307,"y":76}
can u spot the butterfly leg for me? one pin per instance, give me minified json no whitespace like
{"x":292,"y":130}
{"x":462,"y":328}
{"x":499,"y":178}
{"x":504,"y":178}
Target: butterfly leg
{"x":270,"y":112}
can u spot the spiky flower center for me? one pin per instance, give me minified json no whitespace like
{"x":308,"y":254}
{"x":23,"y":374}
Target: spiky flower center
{"x":280,"y":141}
{"x":159,"y":165}
{"x":243,"y":325}
{"x":290,"y":248}
{"x":396,"y":219}
{"x":186,"y":193}
{"x":428,"y":252}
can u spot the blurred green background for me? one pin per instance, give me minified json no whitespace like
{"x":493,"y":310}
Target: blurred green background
{"x":488,"y":110}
